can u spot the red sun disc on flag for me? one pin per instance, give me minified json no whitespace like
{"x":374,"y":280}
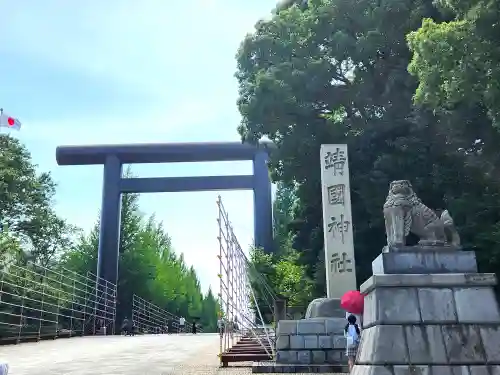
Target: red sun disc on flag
{"x":11,"y":121}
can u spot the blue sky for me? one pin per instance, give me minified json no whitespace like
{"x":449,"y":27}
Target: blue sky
{"x":123,"y":71}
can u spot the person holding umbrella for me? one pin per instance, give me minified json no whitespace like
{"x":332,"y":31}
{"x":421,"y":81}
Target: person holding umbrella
{"x":353,"y":303}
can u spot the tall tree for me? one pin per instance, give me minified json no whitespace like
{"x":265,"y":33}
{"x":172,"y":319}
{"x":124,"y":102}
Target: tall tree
{"x":210,"y":307}
{"x":283,"y":206}
{"x":26,"y":204}
{"x":336,"y":72}
{"x":148,"y":267}
{"x":10,"y":250}
{"x":457,"y":64}
{"x":31,"y":230}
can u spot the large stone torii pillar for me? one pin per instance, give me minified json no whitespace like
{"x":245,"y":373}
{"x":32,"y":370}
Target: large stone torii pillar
{"x":114,"y":156}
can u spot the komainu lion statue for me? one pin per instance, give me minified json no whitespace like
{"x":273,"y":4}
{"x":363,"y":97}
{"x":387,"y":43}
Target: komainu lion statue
{"x":404,"y":212}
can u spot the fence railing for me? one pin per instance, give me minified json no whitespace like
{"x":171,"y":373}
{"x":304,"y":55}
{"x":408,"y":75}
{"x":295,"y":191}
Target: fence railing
{"x":239,"y":287}
{"x":150,"y":318}
{"x":38,"y":302}
{"x":104,"y":305}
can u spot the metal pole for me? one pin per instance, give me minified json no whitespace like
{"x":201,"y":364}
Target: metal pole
{"x":72,"y":309}
{"x":58,"y":312}
{"x":41,"y":305}
{"x":221,"y":328}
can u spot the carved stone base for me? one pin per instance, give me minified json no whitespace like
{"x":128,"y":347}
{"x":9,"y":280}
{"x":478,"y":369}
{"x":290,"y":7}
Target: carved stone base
{"x":430,"y":324}
{"x":431,"y":243}
{"x":425,"y":246}
{"x":325,"y":308}
{"x":413,"y":261}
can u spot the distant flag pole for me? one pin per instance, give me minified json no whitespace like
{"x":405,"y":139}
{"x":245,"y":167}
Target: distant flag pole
{"x":9,"y":122}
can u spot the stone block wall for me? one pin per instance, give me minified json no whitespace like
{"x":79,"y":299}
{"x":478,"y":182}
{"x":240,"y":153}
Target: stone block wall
{"x":311,"y":341}
{"x":431,"y":320}
{"x":441,"y":323}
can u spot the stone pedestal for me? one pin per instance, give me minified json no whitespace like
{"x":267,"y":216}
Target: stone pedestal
{"x":407,"y":261}
{"x":308,"y":345}
{"x":429,"y":313}
{"x":314,"y":344}
{"x":325,"y":308}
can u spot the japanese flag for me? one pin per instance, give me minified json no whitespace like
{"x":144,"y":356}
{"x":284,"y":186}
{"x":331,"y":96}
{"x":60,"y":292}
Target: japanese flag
{"x":10,"y":122}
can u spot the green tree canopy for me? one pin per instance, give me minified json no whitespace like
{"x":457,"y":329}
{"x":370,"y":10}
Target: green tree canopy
{"x":337,"y":72}
{"x":457,"y":64}
{"x":31,"y":230}
{"x":148,"y":267}
{"x":26,"y":204}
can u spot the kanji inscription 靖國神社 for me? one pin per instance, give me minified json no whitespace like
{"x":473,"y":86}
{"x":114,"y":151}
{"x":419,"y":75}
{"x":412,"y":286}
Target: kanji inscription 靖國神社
{"x":337,"y":221}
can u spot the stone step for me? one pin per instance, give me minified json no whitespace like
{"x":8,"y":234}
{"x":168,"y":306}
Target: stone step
{"x":227,"y":358}
{"x":250,"y":351}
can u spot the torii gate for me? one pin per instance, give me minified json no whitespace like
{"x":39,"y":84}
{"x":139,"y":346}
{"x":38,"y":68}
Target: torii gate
{"x":114,"y":156}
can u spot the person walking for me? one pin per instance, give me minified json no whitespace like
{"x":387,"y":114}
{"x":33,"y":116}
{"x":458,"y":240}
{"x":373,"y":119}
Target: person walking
{"x":220,"y":325}
{"x":353,"y":335}
{"x":182,"y":323}
{"x":128,"y":327}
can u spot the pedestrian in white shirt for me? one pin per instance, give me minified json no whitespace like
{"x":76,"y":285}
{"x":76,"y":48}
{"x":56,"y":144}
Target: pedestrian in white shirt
{"x":353,"y":335}
{"x":182,"y":323}
{"x":220,"y":325}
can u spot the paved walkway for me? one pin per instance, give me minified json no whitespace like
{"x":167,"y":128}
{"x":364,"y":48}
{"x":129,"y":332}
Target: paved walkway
{"x":147,"y":354}
{"x":183,"y":354}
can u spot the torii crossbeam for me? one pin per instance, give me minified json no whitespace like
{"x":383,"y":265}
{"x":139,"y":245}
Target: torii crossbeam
{"x":114,"y":156}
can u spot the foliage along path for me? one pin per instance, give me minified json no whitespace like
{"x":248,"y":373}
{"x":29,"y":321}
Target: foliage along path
{"x":149,"y":266}
{"x":412,"y":87}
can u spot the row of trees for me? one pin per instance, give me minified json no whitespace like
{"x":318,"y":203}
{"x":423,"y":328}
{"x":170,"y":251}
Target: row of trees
{"x":148,"y":267}
{"x":411,"y":86}
{"x":34,"y":234}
